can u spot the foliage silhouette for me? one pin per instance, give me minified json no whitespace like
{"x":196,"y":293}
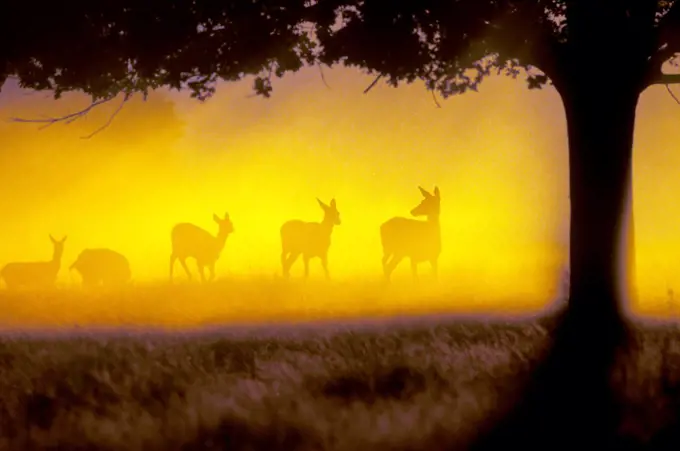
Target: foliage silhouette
{"x":108,"y":49}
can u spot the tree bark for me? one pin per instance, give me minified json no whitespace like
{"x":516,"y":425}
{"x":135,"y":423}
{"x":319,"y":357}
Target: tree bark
{"x":569,"y":400}
{"x":630,"y":261}
{"x":600,"y":124}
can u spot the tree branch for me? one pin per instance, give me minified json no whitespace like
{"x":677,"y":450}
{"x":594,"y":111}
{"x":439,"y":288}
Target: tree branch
{"x":72,"y":117}
{"x":111,"y":118}
{"x":373,"y":83}
{"x":666,"y":48}
{"x":434,"y":99}
{"x":668,"y":88}
{"x":323,"y":76}
{"x":665,"y":79}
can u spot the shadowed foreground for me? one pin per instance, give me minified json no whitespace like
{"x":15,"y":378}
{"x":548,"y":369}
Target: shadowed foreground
{"x":401,"y":389}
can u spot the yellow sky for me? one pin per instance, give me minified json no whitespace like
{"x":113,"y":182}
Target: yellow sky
{"x":498,"y":156}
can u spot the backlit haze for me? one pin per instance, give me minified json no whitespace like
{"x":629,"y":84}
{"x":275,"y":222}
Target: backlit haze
{"x":499,"y":157}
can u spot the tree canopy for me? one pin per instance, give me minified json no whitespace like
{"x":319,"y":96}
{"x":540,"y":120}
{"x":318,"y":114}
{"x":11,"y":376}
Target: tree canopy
{"x":110,"y":47}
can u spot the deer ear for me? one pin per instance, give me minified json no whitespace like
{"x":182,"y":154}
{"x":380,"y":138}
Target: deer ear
{"x":333,"y":203}
{"x":216,"y":218}
{"x":436,"y":191}
{"x":52,"y":239}
{"x":321,"y":204}
{"x":63,"y":240}
{"x":423,"y":192}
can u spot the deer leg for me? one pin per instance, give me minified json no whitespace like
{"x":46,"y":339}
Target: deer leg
{"x":292,"y":257}
{"x":183,"y":261}
{"x":392,"y":264}
{"x":201,"y":272}
{"x":211,"y":269}
{"x":173,"y":259}
{"x":284,"y":264}
{"x":305,"y":259}
{"x":324,"y":265}
{"x":385,"y":260}
{"x":435,"y":268}
{"x":287,"y":260}
{"x":414,"y":269}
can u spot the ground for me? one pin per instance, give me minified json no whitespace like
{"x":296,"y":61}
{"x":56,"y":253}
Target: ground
{"x":400,"y":387}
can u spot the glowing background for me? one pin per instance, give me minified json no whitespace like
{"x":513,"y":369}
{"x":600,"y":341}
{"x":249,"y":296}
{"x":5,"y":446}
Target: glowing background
{"x":498,"y":156}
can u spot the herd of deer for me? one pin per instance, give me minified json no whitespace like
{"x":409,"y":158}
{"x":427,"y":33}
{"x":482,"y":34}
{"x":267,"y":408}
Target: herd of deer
{"x":418,"y":240}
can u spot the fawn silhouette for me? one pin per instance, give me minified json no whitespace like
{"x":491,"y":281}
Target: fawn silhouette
{"x":42,"y":274}
{"x":102,"y":267}
{"x":418,"y":240}
{"x":311,"y":239}
{"x":189,"y":240}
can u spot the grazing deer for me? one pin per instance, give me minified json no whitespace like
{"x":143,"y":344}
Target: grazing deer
{"x":311,"y":239}
{"x":34,"y":274}
{"x":418,"y":240}
{"x":189,"y":240}
{"x":102,"y":267}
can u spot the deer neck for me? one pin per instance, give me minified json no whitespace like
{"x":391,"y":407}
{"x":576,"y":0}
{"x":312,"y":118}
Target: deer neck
{"x":327,"y":226}
{"x":56,"y":259}
{"x":433,"y":220}
{"x":220,"y":241}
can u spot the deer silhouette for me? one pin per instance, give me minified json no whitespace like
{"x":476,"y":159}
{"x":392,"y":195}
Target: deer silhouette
{"x":189,"y":240}
{"x":309,"y":239}
{"x":418,"y":240}
{"x":102,"y":267}
{"x":41,"y":274}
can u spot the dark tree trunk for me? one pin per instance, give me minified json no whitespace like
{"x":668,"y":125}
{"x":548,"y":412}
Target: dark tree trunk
{"x":600,"y":124}
{"x":569,"y":400}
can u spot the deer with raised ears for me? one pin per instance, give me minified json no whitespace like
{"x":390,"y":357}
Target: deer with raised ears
{"x":418,"y":240}
{"x":191,"y":241}
{"x":309,"y":239}
{"x":41,"y":274}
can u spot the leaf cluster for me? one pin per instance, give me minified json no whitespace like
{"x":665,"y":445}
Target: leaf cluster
{"x":110,"y":47}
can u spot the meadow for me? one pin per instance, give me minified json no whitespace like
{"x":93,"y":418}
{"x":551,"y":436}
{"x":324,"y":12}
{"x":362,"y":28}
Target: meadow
{"x":394,"y":382}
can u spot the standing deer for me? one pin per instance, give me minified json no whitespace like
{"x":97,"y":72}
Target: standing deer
{"x":418,"y":240}
{"x":189,"y":240}
{"x":34,"y":274}
{"x":311,"y":239}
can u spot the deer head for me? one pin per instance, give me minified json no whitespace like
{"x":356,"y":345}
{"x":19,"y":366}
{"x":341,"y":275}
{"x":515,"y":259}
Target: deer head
{"x":58,"y":246}
{"x":225,"y":225}
{"x":330,"y":212}
{"x":429,"y":206}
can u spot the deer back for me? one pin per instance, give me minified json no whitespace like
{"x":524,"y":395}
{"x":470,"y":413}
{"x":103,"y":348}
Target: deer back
{"x":189,"y":240}
{"x":101,"y":262}
{"x":411,"y":237}
{"x":307,"y":237}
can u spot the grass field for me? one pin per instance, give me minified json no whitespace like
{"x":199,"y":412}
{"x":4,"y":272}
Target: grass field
{"x":245,"y":299}
{"x":413,"y":385}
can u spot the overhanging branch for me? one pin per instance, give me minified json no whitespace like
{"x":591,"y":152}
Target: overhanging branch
{"x":323,"y":76}
{"x":665,"y":79}
{"x":72,"y":117}
{"x":111,"y":117}
{"x":434,"y":99}
{"x":373,"y":83}
{"x":668,"y":88}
